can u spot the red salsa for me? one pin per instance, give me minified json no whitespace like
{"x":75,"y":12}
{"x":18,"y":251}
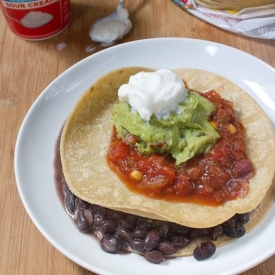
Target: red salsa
{"x":212,"y":179}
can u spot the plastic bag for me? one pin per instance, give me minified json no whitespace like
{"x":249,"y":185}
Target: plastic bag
{"x":256,"y":22}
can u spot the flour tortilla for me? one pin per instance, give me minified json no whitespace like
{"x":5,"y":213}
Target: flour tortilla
{"x":85,"y":140}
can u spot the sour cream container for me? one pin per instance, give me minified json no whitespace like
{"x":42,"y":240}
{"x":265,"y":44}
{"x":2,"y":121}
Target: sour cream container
{"x":36,"y":19}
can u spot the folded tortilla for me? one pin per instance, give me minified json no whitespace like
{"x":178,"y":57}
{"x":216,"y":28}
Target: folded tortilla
{"x":85,"y":140}
{"x":233,"y":4}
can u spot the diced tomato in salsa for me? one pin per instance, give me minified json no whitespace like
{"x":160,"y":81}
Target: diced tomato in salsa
{"x":212,"y":179}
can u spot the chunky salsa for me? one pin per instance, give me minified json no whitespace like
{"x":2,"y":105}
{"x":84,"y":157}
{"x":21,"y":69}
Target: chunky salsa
{"x":212,"y":179}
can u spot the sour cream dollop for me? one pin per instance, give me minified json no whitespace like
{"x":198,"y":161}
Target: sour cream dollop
{"x":149,"y":93}
{"x":112,"y":27}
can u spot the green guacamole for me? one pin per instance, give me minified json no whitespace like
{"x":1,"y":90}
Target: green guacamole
{"x":183,"y":134}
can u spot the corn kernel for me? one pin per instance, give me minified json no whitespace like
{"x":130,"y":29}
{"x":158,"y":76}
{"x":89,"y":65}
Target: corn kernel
{"x":191,"y":146}
{"x":213,"y":124}
{"x":231,"y":129}
{"x":136,"y":175}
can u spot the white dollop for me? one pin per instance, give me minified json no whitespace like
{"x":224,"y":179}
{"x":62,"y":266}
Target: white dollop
{"x":111,"y":28}
{"x":150,"y":93}
{"x":61,"y":46}
{"x":36,"y":19}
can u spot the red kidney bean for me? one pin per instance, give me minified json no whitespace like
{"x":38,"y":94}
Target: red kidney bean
{"x":111,"y":244}
{"x":151,"y":239}
{"x":241,"y":168}
{"x":154,"y":256}
{"x":204,"y":251}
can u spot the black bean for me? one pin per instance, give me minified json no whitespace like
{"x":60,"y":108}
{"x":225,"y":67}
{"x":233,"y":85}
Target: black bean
{"x":80,"y":204}
{"x":163,"y":227}
{"x":69,"y":201}
{"x":98,"y":219}
{"x":151,"y":239}
{"x":243,"y":218}
{"x":166,"y":247}
{"x":198,"y":232}
{"x":215,"y":232}
{"x":111,"y":244}
{"x":204,"y":251}
{"x":234,"y":231}
{"x":108,"y":226}
{"x":127,"y":222}
{"x":180,"y":229}
{"x":84,"y":219}
{"x":98,"y":209}
{"x":124,"y":234}
{"x":140,"y":233}
{"x":135,"y":219}
{"x":147,"y":224}
{"x":89,"y":216}
{"x":154,"y":256}
{"x":180,"y":241}
{"x":170,"y":235}
{"x":116,"y":214}
{"x":230,"y":222}
{"x":137,"y":245}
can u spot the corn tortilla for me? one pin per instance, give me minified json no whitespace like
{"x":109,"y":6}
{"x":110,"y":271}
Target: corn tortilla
{"x":85,"y":140}
{"x":233,"y":4}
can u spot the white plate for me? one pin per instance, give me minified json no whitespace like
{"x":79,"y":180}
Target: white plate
{"x":34,"y":153}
